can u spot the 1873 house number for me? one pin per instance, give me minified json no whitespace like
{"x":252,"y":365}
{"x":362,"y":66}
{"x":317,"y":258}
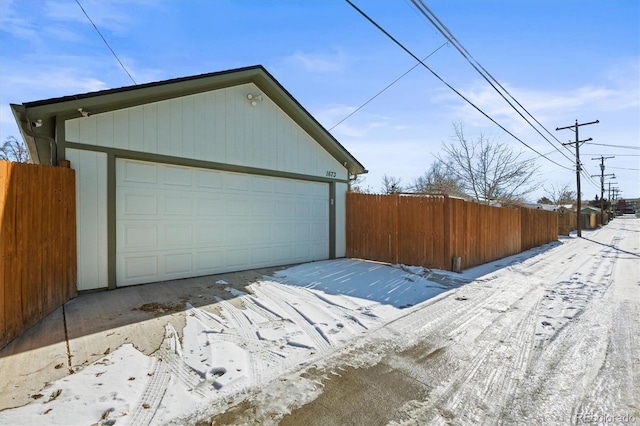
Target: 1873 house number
{"x":331,"y":174}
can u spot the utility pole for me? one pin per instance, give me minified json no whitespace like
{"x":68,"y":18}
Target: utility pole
{"x":578,"y":168}
{"x":602,"y":175}
{"x":610,"y":200}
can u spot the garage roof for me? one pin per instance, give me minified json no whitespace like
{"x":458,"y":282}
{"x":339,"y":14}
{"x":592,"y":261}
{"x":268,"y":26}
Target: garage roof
{"x":37,"y":120}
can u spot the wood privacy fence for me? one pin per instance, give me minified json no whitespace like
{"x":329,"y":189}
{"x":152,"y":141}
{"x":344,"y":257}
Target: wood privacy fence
{"x":566,"y":222}
{"x":37,"y":244}
{"x":431,"y":231}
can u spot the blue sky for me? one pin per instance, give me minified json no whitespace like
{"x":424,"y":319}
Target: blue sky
{"x":561,"y":59}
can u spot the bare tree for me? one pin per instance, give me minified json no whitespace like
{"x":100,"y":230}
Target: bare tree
{"x":437,"y":180}
{"x":357,"y":185}
{"x":391,"y":184}
{"x":559,"y":195}
{"x":14,"y":150}
{"x":488,"y":170}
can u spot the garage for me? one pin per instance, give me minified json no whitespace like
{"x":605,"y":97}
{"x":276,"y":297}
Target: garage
{"x":176,"y":222}
{"x":194,"y":176}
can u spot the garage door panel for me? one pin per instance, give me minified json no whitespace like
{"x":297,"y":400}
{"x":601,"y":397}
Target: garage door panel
{"x":261,"y":256}
{"x":137,"y":172}
{"x":139,"y":268}
{"x":209,"y":205}
{"x":302,"y":251}
{"x":237,"y":257}
{"x":261,"y":233}
{"x":319,"y":209}
{"x":177,"y":222}
{"x":283,"y":209}
{"x":236,"y":206}
{"x":178,"y":263}
{"x":210,"y":261}
{"x":283,"y":232}
{"x":138,"y":203}
{"x":318,"y":249}
{"x":174,"y":176}
{"x":262,"y":207}
{"x":177,"y":205}
{"x":209,"y":179}
{"x":138,"y":235}
{"x":282,"y":253}
{"x":178,"y":234}
{"x":262,"y":184}
{"x":237,"y":182}
{"x":210,"y":234}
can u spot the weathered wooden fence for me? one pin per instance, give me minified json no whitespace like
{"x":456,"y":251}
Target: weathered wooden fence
{"x":566,"y":222}
{"x":537,"y":227}
{"x":37,"y":244}
{"x":431,"y":231}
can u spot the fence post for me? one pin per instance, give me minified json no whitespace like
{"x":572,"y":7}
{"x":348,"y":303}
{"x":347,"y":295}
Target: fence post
{"x":448,"y":255}
{"x":396,"y":254}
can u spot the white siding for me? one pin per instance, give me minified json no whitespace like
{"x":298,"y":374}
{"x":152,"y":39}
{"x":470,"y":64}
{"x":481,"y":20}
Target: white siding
{"x":341,"y":217}
{"x":91,"y":214}
{"x":219,"y":126}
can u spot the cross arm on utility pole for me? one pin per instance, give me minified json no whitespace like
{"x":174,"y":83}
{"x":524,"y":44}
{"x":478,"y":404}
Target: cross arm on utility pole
{"x":577,"y":125}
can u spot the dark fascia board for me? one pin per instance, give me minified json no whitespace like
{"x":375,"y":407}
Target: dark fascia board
{"x":129,"y":96}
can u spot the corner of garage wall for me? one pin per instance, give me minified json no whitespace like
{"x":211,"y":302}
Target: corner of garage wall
{"x":91,"y":213}
{"x":341,"y":215}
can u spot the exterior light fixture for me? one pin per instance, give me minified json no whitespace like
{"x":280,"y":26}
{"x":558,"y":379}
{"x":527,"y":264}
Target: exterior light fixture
{"x":254,"y":99}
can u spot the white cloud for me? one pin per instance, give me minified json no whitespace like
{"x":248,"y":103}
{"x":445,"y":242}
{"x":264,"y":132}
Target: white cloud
{"x":333,"y":62}
{"x":106,"y":15}
{"x":545,"y":105}
{"x":18,"y":25}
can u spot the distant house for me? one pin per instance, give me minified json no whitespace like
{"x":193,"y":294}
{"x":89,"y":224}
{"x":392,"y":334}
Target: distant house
{"x":590,"y":217}
{"x":194,"y":176}
{"x":540,"y":206}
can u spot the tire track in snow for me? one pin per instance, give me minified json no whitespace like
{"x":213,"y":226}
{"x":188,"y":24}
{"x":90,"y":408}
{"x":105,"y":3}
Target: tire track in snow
{"x":246,"y":330}
{"x":349,"y":315}
{"x":564,"y":367}
{"x":148,"y":405}
{"x":483,"y":385}
{"x":279,"y":299}
{"x":170,"y":353}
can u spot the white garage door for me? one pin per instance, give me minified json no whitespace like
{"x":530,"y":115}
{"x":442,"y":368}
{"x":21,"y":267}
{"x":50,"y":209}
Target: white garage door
{"x":177,"y":222}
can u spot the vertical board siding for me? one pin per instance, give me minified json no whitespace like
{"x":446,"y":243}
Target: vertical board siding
{"x":91,"y":207}
{"x":37,"y":244}
{"x":431,"y":231}
{"x":218,"y":126}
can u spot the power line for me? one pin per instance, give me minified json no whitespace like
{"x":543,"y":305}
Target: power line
{"x":616,"y":146}
{"x":105,"y":41}
{"x":623,"y":168}
{"x":388,"y":86}
{"x":448,"y":85}
{"x":448,"y":35}
{"x":620,"y":155}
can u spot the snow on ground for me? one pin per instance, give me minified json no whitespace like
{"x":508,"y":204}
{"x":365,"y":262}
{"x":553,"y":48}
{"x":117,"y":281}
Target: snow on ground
{"x":296,"y":316}
{"x":544,"y":336}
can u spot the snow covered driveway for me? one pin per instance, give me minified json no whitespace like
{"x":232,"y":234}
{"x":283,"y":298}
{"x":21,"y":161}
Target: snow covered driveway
{"x":545,"y":337}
